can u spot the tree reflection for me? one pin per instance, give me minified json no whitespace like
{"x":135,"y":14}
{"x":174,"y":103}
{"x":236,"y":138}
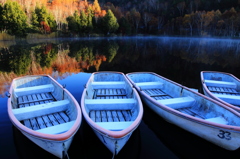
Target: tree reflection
{"x":169,"y":57}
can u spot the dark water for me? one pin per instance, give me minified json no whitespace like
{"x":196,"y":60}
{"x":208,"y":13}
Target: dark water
{"x":71,"y":62}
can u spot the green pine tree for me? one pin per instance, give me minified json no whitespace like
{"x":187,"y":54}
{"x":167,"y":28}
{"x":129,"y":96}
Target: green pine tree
{"x":109,"y":22}
{"x":14,"y":19}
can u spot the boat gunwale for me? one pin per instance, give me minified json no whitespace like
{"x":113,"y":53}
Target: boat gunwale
{"x":109,"y":133}
{"x":54,"y":137}
{"x":212,"y":95}
{"x":186,"y":116}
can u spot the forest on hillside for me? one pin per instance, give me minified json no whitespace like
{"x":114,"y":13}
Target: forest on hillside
{"x":76,"y":18}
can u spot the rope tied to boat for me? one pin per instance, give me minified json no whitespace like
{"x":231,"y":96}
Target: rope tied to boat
{"x":64,"y":86}
{"x":65,"y":152}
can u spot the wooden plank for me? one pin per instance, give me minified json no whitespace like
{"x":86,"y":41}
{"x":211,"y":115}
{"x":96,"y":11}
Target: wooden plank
{"x":114,"y":126}
{"x":120,"y":115}
{"x":114,"y":115}
{"x":64,"y":116}
{"x":35,"y":89}
{"x":39,"y":97}
{"x":98,"y":116}
{"x":47,"y":121}
{"x":109,"y":116}
{"x":59,"y":118}
{"x":40,"y":122}
{"x":218,"y":119}
{"x":230,"y":98}
{"x":192,"y":113}
{"x":53,"y":119}
{"x":107,"y":104}
{"x":220,"y":83}
{"x":41,"y":109}
{"x":34,"y":124}
{"x":104,"y":116}
{"x":110,"y":92}
{"x":57,"y":129}
{"x":27,"y":123}
{"x":92,"y":115}
{"x":149,"y":85}
{"x":25,"y":99}
{"x":108,"y":84}
{"x":177,"y":103}
{"x":126,"y":115}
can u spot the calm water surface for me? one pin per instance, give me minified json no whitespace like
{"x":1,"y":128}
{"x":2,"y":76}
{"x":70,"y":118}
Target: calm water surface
{"x":72,"y":61}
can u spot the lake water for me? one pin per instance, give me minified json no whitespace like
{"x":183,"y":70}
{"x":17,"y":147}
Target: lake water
{"x":71,"y":62}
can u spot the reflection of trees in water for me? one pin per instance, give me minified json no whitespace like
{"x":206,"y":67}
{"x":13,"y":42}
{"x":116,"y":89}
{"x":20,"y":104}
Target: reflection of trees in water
{"x":93,"y":53}
{"x":15,"y":59}
{"x":55,"y":59}
{"x":169,"y":57}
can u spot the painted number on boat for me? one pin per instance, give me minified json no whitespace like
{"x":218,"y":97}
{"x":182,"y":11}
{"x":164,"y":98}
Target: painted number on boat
{"x":224,"y":135}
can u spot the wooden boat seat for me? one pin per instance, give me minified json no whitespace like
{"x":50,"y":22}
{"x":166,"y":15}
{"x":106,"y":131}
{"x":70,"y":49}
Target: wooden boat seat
{"x":114,"y":126}
{"x":149,"y":85}
{"x":220,"y":84}
{"x":109,"y":84}
{"x":219,"y":120}
{"x":109,"y":104}
{"x":177,"y":103}
{"x":57,"y":129}
{"x":33,"y":90}
{"x":40,"y":109}
{"x":232,"y":99}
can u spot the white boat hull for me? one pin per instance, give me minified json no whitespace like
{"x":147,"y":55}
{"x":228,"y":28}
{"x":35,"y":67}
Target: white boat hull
{"x":113,"y":144}
{"x":44,"y":112}
{"x":189,"y":110}
{"x":229,"y":140}
{"x":57,"y":148}
{"x":112,"y":108}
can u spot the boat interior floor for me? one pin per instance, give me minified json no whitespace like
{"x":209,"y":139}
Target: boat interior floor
{"x":222,"y":91}
{"x":44,"y":121}
{"x":110,"y":115}
{"x":159,"y":94}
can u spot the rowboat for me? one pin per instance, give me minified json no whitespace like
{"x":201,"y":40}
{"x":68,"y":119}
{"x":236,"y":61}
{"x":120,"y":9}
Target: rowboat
{"x":45,"y":112}
{"x":112,"y":108}
{"x":223,"y":87}
{"x":188,"y":109}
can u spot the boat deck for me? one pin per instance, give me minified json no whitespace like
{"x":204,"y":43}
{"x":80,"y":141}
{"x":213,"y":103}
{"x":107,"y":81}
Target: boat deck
{"x":110,"y":93}
{"x":158,"y":94}
{"x":112,"y":115}
{"x":44,"y":121}
{"x":224,"y":91}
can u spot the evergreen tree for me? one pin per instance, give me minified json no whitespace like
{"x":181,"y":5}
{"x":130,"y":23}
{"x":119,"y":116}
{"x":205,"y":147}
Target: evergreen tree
{"x":83,"y":22}
{"x":124,"y":26}
{"x":1,"y":17}
{"x":74,"y":22}
{"x":13,"y":18}
{"x":43,"y":20}
{"x":109,"y":22}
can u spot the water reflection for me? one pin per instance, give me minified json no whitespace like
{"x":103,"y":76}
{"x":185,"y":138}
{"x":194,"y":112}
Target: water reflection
{"x":179,"y":59}
{"x":167,"y":56}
